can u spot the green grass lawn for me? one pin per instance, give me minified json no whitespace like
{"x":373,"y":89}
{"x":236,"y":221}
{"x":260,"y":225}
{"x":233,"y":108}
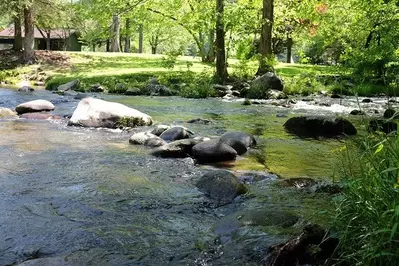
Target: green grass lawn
{"x":134,"y":70}
{"x":90,"y":65}
{"x":113,"y":64}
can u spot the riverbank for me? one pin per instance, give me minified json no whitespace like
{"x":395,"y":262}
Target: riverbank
{"x":117,"y":72}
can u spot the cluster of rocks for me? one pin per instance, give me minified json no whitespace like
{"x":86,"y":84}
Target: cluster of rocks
{"x":179,"y":142}
{"x":270,"y":85}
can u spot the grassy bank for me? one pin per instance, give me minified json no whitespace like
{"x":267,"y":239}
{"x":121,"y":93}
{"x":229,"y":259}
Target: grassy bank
{"x":134,"y":70}
{"x":367,"y":219}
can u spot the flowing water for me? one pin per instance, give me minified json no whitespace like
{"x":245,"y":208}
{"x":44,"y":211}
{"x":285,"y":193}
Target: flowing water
{"x":88,"y":197}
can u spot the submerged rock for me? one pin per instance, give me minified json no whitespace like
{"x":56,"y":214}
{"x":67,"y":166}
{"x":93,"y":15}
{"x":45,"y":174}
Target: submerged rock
{"x":313,"y":246}
{"x":213,"y":151}
{"x":34,"y":106}
{"x":147,"y":139}
{"x":199,"y":121}
{"x":177,"y":149}
{"x":26,"y":89}
{"x":221,"y":186}
{"x":299,"y":182}
{"x":175,"y":133}
{"x":367,"y":100}
{"x":239,"y":141}
{"x":50,"y":261}
{"x":98,"y":113}
{"x":40,"y":116}
{"x":357,"y":112}
{"x":255,"y":217}
{"x":80,"y":96}
{"x":159,"y":129}
{"x":319,"y":126}
{"x":382,"y":126}
{"x":336,"y":96}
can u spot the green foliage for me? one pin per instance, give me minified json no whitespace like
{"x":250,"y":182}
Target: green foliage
{"x":304,"y":84}
{"x":130,"y":122}
{"x":246,"y":49}
{"x":367,"y":216}
{"x":114,"y":84}
{"x":201,"y":87}
{"x":257,"y":92}
{"x":242,"y":70}
{"x":201,"y":90}
{"x":169,"y":61}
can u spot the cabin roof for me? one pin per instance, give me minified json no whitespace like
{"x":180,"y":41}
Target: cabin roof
{"x":54,"y":33}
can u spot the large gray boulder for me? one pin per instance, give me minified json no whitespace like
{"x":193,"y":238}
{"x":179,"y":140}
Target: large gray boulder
{"x":175,"y":133}
{"x":213,"y":151}
{"x":34,"y":106}
{"x":147,"y":139}
{"x":92,"y":112}
{"x":176,"y":149}
{"x":319,"y":126}
{"x":240,"y":141}
{"x":221,"y":186}
{"x":268,"y":81}
{"x":72,"y":85}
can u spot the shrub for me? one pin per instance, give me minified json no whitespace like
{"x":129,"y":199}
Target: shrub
{"x":304,"y":84}
{"x":201,"y":89}
{"x":367,"y":218}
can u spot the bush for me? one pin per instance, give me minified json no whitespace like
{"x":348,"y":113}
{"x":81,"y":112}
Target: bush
{"x":199,"y":90}
{"x":367,"y":218}
{"x":304,"y":84}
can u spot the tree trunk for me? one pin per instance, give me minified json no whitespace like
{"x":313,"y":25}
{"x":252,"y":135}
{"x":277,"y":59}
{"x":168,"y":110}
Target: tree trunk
{"x":221,"y":69}
{"x":29,"y":40}
{"x":153,"y":49}
{"x":210,"y":57}
{"x":141,"y":38}
{"x":289,"y":50}
{"x":94,"y":47}
{"x":107,"y":46}
{"x":48,"y":41}
{"x":17,"y":32}
{"x":115,"y":34}
{"x":127,"y":37}
{"x":265,"y":47}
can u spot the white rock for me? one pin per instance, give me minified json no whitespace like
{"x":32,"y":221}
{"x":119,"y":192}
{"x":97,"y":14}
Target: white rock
{"x":98,"y":113}
{"x":34,"y":106}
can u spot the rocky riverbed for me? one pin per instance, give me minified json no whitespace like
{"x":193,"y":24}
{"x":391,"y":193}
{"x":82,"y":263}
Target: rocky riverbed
{"x":79,"y":196}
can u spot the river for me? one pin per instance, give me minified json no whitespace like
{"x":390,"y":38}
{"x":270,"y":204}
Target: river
{"x":88,"y":197}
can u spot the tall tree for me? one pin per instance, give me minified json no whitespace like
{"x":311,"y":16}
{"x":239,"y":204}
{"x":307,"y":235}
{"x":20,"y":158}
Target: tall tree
{"x":141,"y":38}
{"x":266,"y":43}
{"x":115,"y":33}
{"x":221,"y":69}
{"x":29,"y":40}
{"x":127,"y":35}
{"x":17,"y":46}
